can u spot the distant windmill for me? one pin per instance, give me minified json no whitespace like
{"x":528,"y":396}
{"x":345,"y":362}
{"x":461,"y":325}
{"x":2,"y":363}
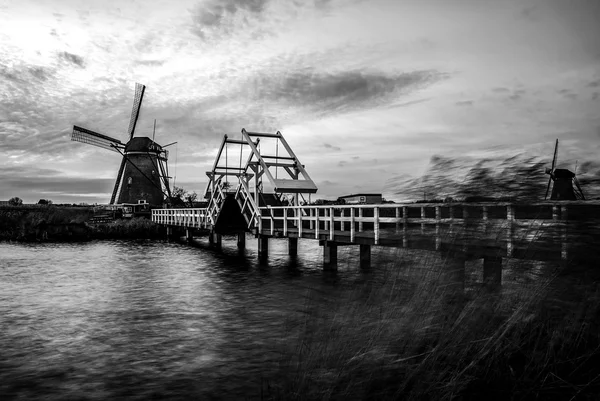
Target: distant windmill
{"x":144,"y":171}
{"x":563,"y":180}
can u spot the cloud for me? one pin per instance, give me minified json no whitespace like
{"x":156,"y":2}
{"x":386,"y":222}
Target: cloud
{"x":329,"y":146}
{"x":518,"y":94}
{"x":72,"y":58}
{"x":464,"y":103}
{"x":220,"y":16}
{"x":150,"y":63}
{"x":500,"y":90}
{"x":336,"y":92}
{"x":31,"y":183}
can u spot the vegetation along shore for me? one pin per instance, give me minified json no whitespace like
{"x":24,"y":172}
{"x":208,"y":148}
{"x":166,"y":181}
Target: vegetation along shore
{"x":39,"y":223}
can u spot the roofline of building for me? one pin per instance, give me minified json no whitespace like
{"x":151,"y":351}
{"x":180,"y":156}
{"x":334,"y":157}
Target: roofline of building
{"x":351,"y":196}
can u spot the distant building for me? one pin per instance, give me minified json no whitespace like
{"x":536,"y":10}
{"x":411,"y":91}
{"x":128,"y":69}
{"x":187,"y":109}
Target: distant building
{"x":4,"y":203}
{"x":361,"y":199}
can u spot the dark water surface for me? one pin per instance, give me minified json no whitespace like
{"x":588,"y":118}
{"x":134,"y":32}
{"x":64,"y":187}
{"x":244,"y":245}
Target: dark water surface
{"x":142,"y":320}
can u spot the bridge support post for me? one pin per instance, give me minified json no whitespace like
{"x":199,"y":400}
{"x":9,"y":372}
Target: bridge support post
{"x":293,"y":246}
{"x":169,"y":232}
{"x":263,"y":246}
{"x":455,"y":276}
{"x":365,"y":256}
{"x":215,"y":239}
{"x":241,"y":240}
{"x":329,"y":255}
{"x":492,"y":272}
{"x":189,"y":234}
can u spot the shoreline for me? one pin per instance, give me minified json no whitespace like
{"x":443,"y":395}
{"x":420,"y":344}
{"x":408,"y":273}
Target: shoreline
{"x":26,"y":224}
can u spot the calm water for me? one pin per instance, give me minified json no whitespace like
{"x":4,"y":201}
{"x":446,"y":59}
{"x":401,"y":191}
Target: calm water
{"x":141,"y":320}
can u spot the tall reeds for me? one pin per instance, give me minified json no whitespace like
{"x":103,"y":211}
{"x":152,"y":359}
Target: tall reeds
{"x":411,"y":333}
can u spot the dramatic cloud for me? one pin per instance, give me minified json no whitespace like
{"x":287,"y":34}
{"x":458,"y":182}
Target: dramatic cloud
{"x":72,"y":58}
{"x":346,"y":81}
{"x":337,"y":92}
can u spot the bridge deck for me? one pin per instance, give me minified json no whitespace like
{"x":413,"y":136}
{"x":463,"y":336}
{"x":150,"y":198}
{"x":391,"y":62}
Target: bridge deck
{"x":542,"y":231}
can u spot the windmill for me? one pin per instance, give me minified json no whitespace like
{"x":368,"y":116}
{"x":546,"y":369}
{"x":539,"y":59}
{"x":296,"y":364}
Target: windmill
{"x":563,"y":180}
{"x":143,"y":172}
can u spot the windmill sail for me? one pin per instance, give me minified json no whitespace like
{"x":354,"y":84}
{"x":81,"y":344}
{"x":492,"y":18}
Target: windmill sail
{"x":118,"y":182}
{"x":135,"y":112}
{"x":94,"y":138}
{"x":551,"y":171}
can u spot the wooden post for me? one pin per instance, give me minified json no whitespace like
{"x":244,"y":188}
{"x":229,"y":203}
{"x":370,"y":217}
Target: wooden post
{"x":376,"y":224}
{"x":564,"y":239}
{"x":241,"y":240}
{"x":189,"y":234}
{"x":217,"y":240}
{"x":455,"y":273}
{"x":285,"y":222}
{"x":317,"y":211}
{"x":293,"y":246}
{"x":330,"y":255}
{"x":365,"y":256}
{"x":422,"y":217}
{"x":397,"y":219}
{"x":331,"y":224}
{"x":360,"y":223}
{"x":299,"y":223}
{"x":510,"y":217}
{"x":342,"y":219}
{"x":263,"y":246}
{"x":492,"y":272}
{"x":352,"y":229}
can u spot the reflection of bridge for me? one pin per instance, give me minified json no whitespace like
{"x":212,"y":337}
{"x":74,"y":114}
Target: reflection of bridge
{"x":492,"y":231}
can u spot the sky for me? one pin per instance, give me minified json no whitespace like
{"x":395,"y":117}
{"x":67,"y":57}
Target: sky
{"x":365,"y":92}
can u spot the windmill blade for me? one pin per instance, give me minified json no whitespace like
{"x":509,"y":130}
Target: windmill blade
{"x":94,"y":138}
{"x":576,"y":181}
{"x":135,"y":112}
{"x":548,"y":187}
{"x":118,"y":182}
{"x":555,"y":155}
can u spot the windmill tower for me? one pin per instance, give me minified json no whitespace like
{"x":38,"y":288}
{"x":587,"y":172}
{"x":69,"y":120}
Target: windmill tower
{"x":143,"y":172}
{"x":563,"y":180}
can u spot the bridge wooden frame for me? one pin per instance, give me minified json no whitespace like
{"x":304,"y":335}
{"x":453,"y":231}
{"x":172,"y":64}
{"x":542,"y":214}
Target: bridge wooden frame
{"x":545,"y":231}
{"x":537,"y":231}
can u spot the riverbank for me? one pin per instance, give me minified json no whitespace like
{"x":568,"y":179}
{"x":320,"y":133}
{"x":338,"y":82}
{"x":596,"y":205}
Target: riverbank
{"x":58,"y":223}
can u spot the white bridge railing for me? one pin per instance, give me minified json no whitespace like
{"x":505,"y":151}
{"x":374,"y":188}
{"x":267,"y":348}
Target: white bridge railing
{"x":194,"y":218}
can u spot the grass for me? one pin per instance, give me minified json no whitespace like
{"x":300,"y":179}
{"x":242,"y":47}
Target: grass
{"x":19,"y":223}
{"x":59,"y":223}
{"x":411,"y":334}
{"x":134,"y":228}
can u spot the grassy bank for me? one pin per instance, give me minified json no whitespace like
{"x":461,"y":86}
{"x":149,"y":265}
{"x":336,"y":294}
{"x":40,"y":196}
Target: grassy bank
{"x":58,"y":223}
{"x":409,"y":333}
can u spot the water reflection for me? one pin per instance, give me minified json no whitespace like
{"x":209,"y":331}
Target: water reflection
{"x":148,"y":319}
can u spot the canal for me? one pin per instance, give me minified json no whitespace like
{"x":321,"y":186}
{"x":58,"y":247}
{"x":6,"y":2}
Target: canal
{"x":162,"y":320}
